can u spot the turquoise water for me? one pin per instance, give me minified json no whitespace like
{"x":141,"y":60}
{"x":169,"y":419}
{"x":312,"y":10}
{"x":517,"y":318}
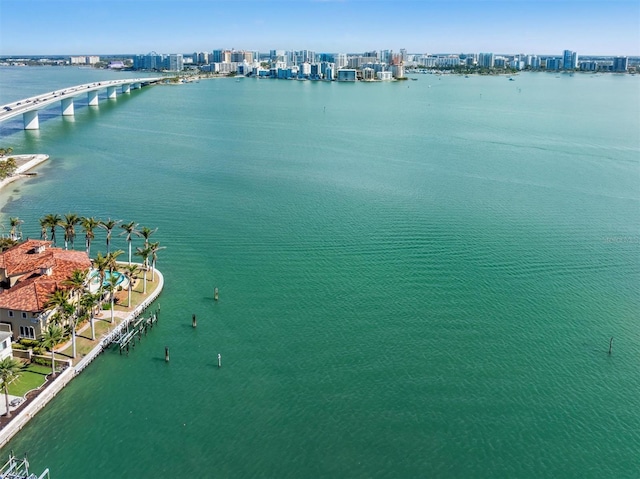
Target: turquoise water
{"x":417,"y":279}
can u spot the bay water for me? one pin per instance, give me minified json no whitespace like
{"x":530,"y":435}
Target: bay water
{"x":417,"y":279}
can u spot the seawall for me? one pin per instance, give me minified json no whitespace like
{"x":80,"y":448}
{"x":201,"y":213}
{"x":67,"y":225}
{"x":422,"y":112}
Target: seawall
{"x":61,"y":380}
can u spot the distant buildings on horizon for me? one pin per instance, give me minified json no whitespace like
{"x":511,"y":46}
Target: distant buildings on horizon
{"x":371,"y":65}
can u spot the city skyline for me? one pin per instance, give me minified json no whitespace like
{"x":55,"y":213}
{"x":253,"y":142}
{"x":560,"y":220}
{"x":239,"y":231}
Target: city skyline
{"x":37,"y":27}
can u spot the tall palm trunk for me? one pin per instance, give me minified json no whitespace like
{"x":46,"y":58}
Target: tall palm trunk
{"x":144,"y":283}
{"x":6,"y":397}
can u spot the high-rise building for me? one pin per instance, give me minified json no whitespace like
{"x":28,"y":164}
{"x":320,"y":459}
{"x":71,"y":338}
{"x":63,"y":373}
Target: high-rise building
{"x":486,"y":60}
{"x":176,"y":62}
{"x":569,"y":60}
{"x":88,"y":60}
{"x":620,"y":64}
{"x":200,"y":58}
{"x":385,"y":56}
{"x":589,"y":66}
{"x":304,"y":70}
{"x":328,"y":70}
{"x":341,"y":60}
{"x":534,"y":62}
{"x":553,"y":63}
{"x":241,"y":56}
{"x":220,"y":56}
{"x":150,"y":61}
{"x":397,"y":71}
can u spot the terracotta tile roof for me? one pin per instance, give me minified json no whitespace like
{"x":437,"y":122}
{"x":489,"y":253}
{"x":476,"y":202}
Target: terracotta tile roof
{"x":22,"y":258}
{"x":33,"y":289}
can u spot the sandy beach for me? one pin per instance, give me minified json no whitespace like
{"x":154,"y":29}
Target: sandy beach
{"x":25,"y":163}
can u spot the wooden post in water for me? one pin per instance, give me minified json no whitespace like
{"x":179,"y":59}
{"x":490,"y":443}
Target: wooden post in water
{"x":610,"y":344}
{"x":166,"y":353}
{"x":219,"y":360}
{"x":193,"y":321}
{"x":215,"y":294}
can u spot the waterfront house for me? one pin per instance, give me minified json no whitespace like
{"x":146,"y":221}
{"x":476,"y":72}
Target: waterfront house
{"x":6,"y":351}
{"x":29,"y":273}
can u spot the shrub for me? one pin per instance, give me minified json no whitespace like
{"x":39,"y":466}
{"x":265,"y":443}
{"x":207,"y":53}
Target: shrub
{"x":19,"y":346}
{"x":29,"y":343}
{"x":42,"y":361}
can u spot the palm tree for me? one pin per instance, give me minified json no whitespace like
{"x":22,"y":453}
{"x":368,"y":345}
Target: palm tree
{"x":145,"y":233}
{"x":15,"y":228}
{"x":108,"y":226}
{"x":100,"y":264}
{"x":144,"y":254}
{"x":69,"y":224}
{"x":43,"y":228}
{"x":9,"y":370}
{"x":129,"y":230}
{"x":112,"y":287}
{"x":112,"y":260}
{"x":59,"y":300}
{"x":130,"y":272}
{"x":52,"y":336}
{"x":53,"y":220}
{"x":76,"y":282}
{"x":88,"y":225}
{"x":153,"y":249}
{"x":6,"y":151}
{"x":89,"y":301}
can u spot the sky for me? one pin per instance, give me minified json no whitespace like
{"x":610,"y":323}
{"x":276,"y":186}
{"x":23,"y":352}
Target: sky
{"x":76,"y":27}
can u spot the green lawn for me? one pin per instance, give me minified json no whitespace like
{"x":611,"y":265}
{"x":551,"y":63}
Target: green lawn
{"x":33,"y":376}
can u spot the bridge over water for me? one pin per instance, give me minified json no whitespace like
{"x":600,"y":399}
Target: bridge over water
{"x":29,"y":107}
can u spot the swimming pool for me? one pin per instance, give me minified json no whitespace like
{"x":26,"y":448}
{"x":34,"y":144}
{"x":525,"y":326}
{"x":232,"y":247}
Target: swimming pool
{"x":94,"y":282}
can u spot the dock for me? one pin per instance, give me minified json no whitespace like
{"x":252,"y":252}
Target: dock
{"x":134,"y":329}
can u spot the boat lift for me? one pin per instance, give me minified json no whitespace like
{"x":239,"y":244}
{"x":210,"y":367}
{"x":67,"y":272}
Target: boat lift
{"x":135,"y":330}
{"x":19,"y":469}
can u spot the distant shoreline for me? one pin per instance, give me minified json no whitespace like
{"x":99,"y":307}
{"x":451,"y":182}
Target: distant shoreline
{"x":25,"y":163}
